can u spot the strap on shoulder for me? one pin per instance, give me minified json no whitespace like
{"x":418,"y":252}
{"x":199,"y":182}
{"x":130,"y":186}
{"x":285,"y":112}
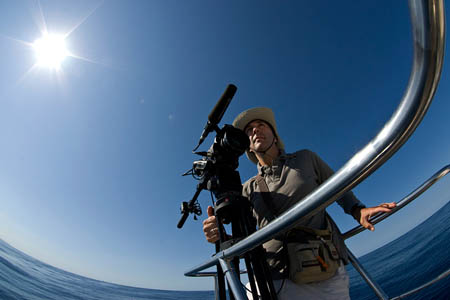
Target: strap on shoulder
{"x":265,"y":194}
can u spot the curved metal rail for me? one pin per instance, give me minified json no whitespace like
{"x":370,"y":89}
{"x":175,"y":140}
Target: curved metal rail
{"x":374,"y":220}
{"x":428,"y":27}
{"x":380,"y":217}
{"x":402,"y":203}
{"x":379,"y":291}
{"x":442,"y":276}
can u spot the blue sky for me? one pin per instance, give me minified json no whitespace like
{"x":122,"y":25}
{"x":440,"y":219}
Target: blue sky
{"x":92,"y":155}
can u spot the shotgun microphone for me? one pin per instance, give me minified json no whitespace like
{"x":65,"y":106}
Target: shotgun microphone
{"x":217,"y":112}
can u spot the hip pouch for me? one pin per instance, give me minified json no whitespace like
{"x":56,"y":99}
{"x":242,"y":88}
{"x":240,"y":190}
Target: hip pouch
{"x":314,"y":260}
{"x":311,"y":259}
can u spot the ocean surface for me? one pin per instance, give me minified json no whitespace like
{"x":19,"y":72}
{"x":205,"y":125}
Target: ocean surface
{"x":407,"y":262}
{"x":411,"y":260}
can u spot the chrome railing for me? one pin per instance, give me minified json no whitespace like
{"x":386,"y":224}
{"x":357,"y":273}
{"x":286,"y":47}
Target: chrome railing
{"x":428,"y":27}
{"x":380,"y":217}
{"x":374,"y":220}
{"x":402,"y":203}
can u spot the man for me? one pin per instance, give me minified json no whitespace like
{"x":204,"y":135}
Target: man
{"x":308,"y":262}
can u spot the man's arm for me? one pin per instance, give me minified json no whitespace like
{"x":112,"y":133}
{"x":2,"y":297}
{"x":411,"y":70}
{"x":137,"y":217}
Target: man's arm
{"x":348,"y":201}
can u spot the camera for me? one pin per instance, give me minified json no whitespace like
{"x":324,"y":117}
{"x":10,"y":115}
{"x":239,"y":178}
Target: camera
{"x":230,"y":143}
{"x":216,"y":170}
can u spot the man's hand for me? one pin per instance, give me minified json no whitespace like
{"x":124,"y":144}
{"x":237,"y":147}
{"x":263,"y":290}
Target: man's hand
{"x":363,"y":215}
{"x":210,"y":227}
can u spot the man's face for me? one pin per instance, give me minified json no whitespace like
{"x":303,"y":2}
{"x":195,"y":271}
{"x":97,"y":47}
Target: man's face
{"x":260,"y":135}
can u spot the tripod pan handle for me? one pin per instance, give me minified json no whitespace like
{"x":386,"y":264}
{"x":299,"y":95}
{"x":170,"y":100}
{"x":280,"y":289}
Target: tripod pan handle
{"x":183,"y":219}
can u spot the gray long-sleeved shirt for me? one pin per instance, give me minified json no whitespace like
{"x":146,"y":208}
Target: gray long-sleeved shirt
{"x":290,"y":178}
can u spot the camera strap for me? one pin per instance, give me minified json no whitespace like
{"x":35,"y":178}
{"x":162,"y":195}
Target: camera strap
{"x":265,"y":194}
{"x":267,"y":198}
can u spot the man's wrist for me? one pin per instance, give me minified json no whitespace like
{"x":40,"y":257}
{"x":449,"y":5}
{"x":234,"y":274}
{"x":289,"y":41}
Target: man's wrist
{"x":356,"y":211}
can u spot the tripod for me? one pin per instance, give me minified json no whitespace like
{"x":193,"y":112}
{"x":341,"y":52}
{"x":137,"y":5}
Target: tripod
{"x":231,"y":207}
{"x":216,"y":172}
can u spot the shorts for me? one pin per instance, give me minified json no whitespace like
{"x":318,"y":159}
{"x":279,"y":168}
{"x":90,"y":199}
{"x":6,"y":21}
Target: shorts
{"x":336,"y":288}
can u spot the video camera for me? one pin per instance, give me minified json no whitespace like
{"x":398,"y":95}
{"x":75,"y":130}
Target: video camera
{"x":216,"y":169}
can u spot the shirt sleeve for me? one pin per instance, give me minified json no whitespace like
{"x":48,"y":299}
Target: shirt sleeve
{"x":348,"y":201}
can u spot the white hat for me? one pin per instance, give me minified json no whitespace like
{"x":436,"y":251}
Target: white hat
{"x":257,"y":113}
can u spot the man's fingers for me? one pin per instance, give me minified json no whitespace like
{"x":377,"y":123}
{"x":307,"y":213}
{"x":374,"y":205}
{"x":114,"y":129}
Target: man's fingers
{"x":380,"y":209}
{"x":210,"y":211}
{"x":209,"y":220}
{"x":367,"y":213}
{"x":212,"y":234}
{"x":212,"y":239}
{"x":388,"y":205}
{"x":366,"y":224}
{"x":385,"y":207}
{"x":208,"y":227}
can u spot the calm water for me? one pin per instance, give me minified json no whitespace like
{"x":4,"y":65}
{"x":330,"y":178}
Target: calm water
{"x":23,"y":277}
{"x":411,"y":260}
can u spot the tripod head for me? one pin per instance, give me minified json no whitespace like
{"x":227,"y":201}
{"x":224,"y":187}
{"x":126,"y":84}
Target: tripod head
{"x":216,"y":170}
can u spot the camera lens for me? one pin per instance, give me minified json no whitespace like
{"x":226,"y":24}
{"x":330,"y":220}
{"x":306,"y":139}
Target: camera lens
{"x":234,"y":141}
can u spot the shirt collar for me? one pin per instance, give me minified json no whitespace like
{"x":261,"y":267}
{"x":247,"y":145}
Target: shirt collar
{"x":277,"y":162}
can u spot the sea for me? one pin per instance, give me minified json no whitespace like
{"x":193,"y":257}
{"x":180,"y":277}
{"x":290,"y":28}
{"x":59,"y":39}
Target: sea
{"x":401,"y":265}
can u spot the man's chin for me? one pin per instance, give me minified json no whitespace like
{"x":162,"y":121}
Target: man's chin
{"x":259,"y":148}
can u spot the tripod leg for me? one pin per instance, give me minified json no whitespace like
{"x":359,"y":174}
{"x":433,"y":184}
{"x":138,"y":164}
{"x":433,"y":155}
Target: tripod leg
{"x":261,"y":278}
{"x":242,"y":225}
{"x":235,"y":263}
{"x":233,"y":282}
{"x":264,"y":272}
{"x":251,"y":276}
{"x":221,"y":295}
{"x":257,"y":257}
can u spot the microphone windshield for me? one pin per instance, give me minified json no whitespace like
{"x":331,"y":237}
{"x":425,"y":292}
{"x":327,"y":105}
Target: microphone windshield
{"x":221,"y":106}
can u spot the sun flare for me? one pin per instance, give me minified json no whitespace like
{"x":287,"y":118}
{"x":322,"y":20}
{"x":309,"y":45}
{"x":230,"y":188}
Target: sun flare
{"x":50,"y":51}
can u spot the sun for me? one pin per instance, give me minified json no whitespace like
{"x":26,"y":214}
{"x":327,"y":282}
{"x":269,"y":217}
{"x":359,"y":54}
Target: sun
{"x":50,"y":51}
